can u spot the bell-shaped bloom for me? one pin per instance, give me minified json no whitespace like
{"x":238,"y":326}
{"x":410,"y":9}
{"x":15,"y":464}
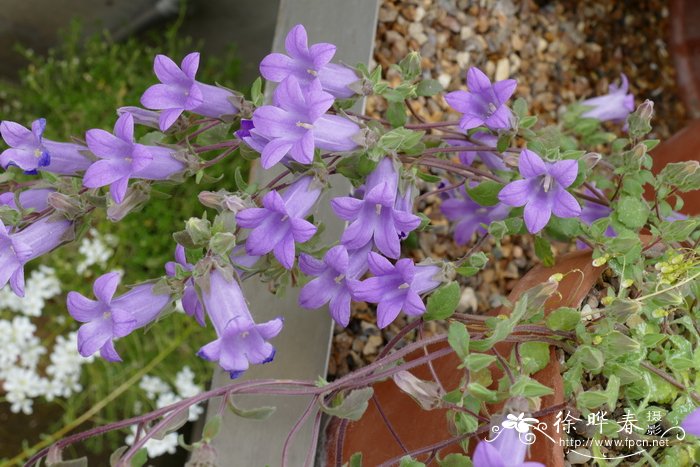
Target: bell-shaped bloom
{"x":491,"y":159}
{"x":507,"y":450}
{"x":109,"y":318}
{"x":33,"y":198}
{"x":469,"y":216}
{"x":308,"y":63}
{"x":331,"y":282}
{"x":484,"y":103}
{"x":376,"y":216}
{"x":280,"y":223}
{"x":614,"y":106}
{"x":190,"y":300}
{"x":179,"y":91}
{"x":691,"y":423}
{"x":250,"y":136}
{"x":145,"y":117}
{"x":297,"y":124}
{"x":17,"y":248}
{"x":121,"y":158}
{"x":30,"y":151}
{"x":395,"y":288}
{"x":240,"y":341}
{"x":542,"y":190}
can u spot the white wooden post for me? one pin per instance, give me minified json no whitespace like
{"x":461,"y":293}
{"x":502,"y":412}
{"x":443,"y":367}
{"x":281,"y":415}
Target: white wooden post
{"x":304,"y":344}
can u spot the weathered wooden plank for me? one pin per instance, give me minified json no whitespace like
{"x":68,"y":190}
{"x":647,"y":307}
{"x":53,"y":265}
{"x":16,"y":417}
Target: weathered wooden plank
{"x":303,"y":346}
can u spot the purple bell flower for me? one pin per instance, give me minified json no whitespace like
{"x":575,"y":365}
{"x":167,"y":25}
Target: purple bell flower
{"x":20,"y":247}
{"x":507,"y":450}
{"x":376,"y":216}
{"x":33,"y":198}
{"x":30,"y":151}
{"x":190,"y":300}
{"x":490,"y":159}
{"x":470,"y":215}
{"x":331,"y":283}
{"x":110,"y":318}
{"x":484,"y":103}
{"x":395,"y":288}
{"x":121,"y":158}
{"x":614,"y":106}
{"x":691,"y":423}
{"x":250,"y":136}
{"x":149,"y":118}
{"x":308,"y":63}
{"x":542,"y":190}
{"x":240,"y":341}
{"x":280,"y":223}
{"x":297,"y":124}
{"x":179,"y":91}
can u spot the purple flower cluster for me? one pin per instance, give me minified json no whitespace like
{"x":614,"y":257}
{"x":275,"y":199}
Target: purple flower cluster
{"x":240,"y":341}
{"x":297,"y":124}
{"x":179,"y":91}
{"x":380,"y":219}
{"x":109,"y":318}
{"x":190,"y":300}
{"x":281,"y":222}
{"x":17,"y":248}
{"x":31,"y":152}
{"x":121,"y":158}
{"x":469,"y":215}
{"x":614,"y":106}
{"x":33,"y":198}
{"x":542,"y":190}
{"x":308,"y":64}
{"x":376,"y":217}
{"x":484,"y":103}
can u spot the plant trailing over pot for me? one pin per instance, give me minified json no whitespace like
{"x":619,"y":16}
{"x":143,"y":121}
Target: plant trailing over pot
{"x":628,"y":359}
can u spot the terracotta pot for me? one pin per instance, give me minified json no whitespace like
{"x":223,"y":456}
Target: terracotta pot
{"x":418,"y":428}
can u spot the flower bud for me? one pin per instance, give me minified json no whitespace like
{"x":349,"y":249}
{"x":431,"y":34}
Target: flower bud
{"x":198,"y":229}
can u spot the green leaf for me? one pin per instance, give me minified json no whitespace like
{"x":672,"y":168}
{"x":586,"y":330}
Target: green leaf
{"x":80,"y":462}
{"x":478,"y":361}
{"x":212,"y":428}
{"x":455,"y":460}
{"x":563,"y":319}
{"x":591,"y":358}
{"x":467,"y":271}
{"x":256,"y":94}
{"x":174,"y":425}
{"x":543,"y":250}
{"x":396,"y":114}
{"x":116,"y":455}
{"x":503,"y":142}
{"x":400,"y":139}
{"x":458,"y":338}
{"x":591,"y":399}
{"x":410,"y":66}
{"x":528,"y":122}
{"x":534,"y":356}
{"x":632,"y":212}
{"x":482,"y":393}
{"x":520,"y":107}
{"x":443,"y":302}
{"x":428,"y":87}
{"x":352,"y":406}
{"x":355,"y":460}
{"x":684,"y":175}
{"x":679,"y":230}
{"x":139,"y":459}
{"x":528,"y":387}
{"x":485,"y":193}
{"x":407,"y":461}
{"x":258,"y":413}
{"x":427,"y":177}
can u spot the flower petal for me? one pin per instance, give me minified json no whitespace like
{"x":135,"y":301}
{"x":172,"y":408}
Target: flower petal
{"x":82,"y":308}
{"x":105,"y":286}
{"x":538,"y":211}
{"x":477,"y":81}
{"x":564,"y":172}
{"x":93,"y":335}
{"x":517,"y":193}
{"x":564,"y":204}
{"x":531,"y":164}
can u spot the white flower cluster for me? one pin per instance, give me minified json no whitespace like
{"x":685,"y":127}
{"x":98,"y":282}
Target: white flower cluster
{"x":96,"y":249}
{"x":21,"y":351}
{"x":42,"y":285}
{"x":163,"y":395}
